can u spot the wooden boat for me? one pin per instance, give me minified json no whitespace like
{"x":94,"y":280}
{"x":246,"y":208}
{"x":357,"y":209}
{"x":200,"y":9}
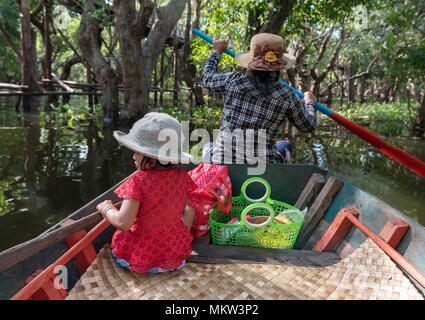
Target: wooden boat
{"x":351,"y":246}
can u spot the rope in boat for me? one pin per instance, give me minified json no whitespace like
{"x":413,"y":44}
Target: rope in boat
{"x":396,"y":154}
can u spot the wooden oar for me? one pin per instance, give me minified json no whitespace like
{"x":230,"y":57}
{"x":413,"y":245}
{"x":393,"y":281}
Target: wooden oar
{"x":398,"y":155}
{"x":22,"y":251}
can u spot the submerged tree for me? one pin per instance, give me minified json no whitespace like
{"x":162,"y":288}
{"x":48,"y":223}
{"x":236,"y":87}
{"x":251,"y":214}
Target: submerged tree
{"x":27,"y":55}
{"x":90,"y":43}
{"x":138,"y":56}
{"x":139,"y":60}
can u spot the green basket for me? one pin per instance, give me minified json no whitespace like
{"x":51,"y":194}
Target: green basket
{"x":268,"y":233}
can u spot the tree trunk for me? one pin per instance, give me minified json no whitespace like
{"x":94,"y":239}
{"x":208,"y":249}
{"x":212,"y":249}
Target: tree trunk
{"x":66,"y":72}
{"x":351,"y":85}
{"x":47,"y":48}
{"x":90,"y":96}
{"x":419,"y":124}
{"x":385,"y":92}
{"x":377,"y":91}
{"x":329,"y":97}
{"x":67,"y":66}
{"x":89,"y":42}
{"x":292,"y":78}
{"x":277,"y":18}
{"x":167,"y":17}
{"x":362,"y":90}
{"x":161,"y":82}
{"x":394,"y":89}
{"x":189,"y":70}
{"x":130,"y":26}
{"x":341,"y":100}
{"x":176,"y":72}
{"x":30,"y":73}
{"x":318,"y":78}
{"x":274,"y":21}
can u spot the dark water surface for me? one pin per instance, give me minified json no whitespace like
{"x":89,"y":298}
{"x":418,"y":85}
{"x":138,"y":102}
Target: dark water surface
{"x":50,"y":169}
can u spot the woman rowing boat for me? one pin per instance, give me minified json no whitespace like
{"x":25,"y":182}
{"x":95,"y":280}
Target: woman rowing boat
{"x":255,"y":103}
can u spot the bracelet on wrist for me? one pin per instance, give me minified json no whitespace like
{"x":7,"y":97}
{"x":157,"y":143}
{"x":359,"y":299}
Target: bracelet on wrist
{"x":105,"y":211}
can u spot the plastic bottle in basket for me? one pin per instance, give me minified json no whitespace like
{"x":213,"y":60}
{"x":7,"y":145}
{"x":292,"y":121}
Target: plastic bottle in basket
{"x":226,"y":234}
{"x":287,"y":216}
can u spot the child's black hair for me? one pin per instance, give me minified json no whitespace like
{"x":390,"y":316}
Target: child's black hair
{"x":145,"y":163}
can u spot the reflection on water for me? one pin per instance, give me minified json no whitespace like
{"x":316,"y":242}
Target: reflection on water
{"x":48,"y":170}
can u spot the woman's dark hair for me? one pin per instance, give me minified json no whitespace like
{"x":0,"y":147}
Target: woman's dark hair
{"x":263,"y":79}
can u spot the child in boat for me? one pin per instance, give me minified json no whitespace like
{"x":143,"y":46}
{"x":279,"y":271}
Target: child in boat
{"x":155,"y":217}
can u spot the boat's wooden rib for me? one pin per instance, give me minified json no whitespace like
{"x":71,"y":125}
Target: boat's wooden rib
{"x":310,"y":191}
{"x":320,"y":205}
{"x":340,"y":227}
{"x":39,"y":282}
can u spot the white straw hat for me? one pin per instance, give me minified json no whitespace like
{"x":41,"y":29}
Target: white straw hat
{"x":156,"y":135}
{"x":266,"y":52}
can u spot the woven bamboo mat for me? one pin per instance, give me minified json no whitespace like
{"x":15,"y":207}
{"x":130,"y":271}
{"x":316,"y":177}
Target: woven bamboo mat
{"x":366,"y":274}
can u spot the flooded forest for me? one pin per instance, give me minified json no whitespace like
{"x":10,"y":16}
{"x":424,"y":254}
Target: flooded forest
{"x":72,"y":72}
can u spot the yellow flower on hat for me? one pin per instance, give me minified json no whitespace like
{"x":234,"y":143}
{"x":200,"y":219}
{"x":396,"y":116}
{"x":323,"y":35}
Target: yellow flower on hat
{"x":270,"y":56}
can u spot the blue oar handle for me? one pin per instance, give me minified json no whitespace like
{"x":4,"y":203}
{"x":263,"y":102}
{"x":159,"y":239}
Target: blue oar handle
{"x":210,"y":40}
{"x":318,"y":105}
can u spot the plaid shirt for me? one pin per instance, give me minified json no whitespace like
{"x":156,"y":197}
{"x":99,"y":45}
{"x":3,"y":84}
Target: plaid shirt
{"x":248,"y":115}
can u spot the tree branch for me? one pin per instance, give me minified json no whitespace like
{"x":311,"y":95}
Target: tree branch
{"x":167,"y":17}
{"x":324,"y":44}
{"x":334,"y":57}
{"x":355,"y":76}
{"x":142,"y":17}
{"x":11,"y":43}
{"x":37,"y":10}
{"x":66,"y":40}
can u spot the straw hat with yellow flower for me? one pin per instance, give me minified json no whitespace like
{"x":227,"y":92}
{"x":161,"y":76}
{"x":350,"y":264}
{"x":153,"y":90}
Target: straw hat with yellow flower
{"x":266,"y":53}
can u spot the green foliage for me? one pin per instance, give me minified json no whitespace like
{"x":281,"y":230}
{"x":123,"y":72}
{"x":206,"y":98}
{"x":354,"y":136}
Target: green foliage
{"x":415,"y":58}
{"x":394,"y":119}
{"x":207,"y":117}
{"x":204,"y":116}
{"x":9,"y":16}
{"x":10,"y":191}
{"x":318,"y":12}
{"x":65,"y":115}
{"x":10,"y":68}
{"x":103,"y":14}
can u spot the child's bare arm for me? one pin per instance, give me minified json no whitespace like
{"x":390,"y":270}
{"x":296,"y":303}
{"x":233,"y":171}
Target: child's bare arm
{"x":188,"y":216}
{"x":122,"y":219}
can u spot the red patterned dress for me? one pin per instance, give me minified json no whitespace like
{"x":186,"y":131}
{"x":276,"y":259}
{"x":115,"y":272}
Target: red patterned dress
{"x":158,"y":237}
